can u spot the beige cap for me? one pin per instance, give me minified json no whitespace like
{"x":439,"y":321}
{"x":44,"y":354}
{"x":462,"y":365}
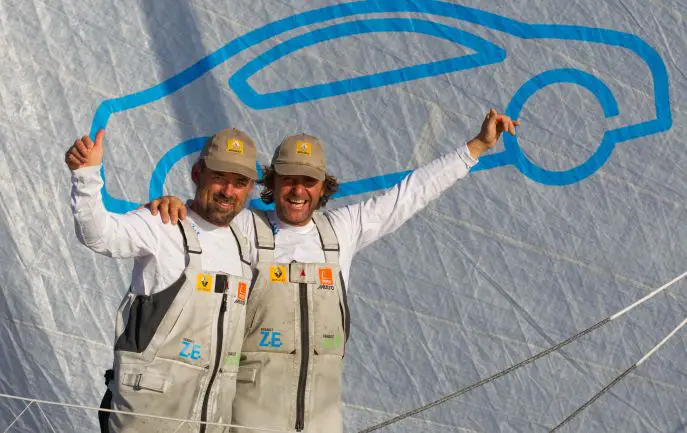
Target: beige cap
{"x":300,"y":155}
{"x":231,"y":151}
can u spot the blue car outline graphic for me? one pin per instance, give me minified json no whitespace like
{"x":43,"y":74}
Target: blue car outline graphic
{"x":484,"y":53}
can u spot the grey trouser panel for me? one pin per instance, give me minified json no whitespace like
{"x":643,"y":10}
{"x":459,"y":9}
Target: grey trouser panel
{"x":177,"y":351}
{"x":296,"y":329}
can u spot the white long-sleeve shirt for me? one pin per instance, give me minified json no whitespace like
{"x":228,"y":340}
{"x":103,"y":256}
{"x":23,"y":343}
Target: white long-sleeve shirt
{"x":360,"y":224}
{"x":157,"y":248}
{"x":158,"y":251}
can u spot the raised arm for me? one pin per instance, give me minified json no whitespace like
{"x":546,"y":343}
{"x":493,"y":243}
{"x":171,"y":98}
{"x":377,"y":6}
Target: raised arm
{"x":113,"y":235}
{"x":368,"y":221}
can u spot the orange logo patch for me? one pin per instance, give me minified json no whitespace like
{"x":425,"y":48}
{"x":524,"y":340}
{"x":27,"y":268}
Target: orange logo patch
{"x":278,"y":274}
{"x":303,"y":148}
{"x":204,"y":283}
{"x":235,"y":146}
{"x":326,"y":277}
{"x":241,"y":291}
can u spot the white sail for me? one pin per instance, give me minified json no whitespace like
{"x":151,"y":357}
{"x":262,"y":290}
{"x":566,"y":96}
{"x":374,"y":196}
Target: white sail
{"x":572,"y":221}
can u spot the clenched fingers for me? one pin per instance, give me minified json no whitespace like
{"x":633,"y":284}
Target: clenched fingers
{"x":81,"y":148}
{"x":72,"y":162}
{"x":77,"y":152}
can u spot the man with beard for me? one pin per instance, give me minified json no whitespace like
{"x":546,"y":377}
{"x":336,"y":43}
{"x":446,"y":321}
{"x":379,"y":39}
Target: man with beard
{"x":297,"y":314}
{"x":180,"y":327}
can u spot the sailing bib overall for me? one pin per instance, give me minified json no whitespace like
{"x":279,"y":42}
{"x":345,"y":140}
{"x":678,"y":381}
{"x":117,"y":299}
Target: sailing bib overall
{"x":177,"y":351}
{"x":296,"y":328}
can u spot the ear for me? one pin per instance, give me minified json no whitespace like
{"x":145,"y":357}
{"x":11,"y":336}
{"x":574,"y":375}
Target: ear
{"x":195,"y":173}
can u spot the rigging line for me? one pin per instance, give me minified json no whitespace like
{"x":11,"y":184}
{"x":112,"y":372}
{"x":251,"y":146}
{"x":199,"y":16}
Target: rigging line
{"x":522,"y":363}
{"x":46,"y":418}
{"x":181,"y":424}
{"x":78,"y":406}
{"x":18,"y":416}
{"x":620,"y":377}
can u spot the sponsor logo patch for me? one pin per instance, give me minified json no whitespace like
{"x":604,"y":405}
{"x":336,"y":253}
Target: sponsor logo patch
{"x":189,"y":350}
{"x":232,"y":359}
{"x":241,"y":292}
{"x":235,"y":146}
{"x":330,"y":341}
{"x":278,"y":274}
{"x":326,"y":277}
{"x":303,"y":148}
{"x":270,"y":338}
{"x":204,"y":283}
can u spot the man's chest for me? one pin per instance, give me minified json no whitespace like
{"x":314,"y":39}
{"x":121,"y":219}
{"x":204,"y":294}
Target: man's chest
{"x":301,"y":247}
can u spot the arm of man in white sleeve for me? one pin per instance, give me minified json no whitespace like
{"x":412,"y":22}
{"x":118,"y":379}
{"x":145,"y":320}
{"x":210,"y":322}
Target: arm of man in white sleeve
{"x":365,"y":222}
{"x":113,"y":235}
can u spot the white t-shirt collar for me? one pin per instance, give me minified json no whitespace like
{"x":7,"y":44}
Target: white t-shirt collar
{"x":278,"y":225}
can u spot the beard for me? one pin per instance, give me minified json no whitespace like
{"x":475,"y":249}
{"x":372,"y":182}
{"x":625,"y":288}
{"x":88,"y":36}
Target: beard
{"x":218,"y":215}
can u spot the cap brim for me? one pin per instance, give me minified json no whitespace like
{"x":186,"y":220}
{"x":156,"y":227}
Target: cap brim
{"x":230,"y":167}
{"x":299,"y":170}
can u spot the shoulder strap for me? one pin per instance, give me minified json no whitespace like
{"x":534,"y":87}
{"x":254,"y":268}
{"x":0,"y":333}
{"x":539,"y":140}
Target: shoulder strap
{"x":330,"y":244}
{"x":191,"y":244}
{"x":242,"y":244}
{"x":264,"y":236}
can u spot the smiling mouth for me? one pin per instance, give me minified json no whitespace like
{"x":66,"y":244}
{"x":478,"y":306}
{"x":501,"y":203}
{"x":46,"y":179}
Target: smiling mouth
{"x":225,"y":204}
{"x":295,"y":203}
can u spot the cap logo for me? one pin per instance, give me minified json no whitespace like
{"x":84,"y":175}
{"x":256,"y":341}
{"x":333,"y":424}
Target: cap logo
{"x":303,"y":148}
{"x":235,"y":146}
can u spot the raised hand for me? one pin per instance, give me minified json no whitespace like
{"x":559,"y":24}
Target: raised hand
{"x":84,"y":152}
{"x":493,"y":126}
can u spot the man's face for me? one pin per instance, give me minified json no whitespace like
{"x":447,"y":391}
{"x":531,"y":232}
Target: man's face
{"x":296,"y":198}
{"x":219,"y":196}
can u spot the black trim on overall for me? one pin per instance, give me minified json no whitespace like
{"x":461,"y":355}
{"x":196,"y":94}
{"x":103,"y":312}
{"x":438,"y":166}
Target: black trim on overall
{"x":145,"y":315}
{"x":218,"y":360}
{"x":106,"y":403}
{"x":346,"y":318}
{"x":305,"y":351}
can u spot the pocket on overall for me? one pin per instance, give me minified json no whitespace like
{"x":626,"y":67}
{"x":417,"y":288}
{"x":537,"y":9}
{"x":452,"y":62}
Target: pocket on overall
{"x":193,"y":337}
{"x":328,"y":323}
{"x":273,"y":319}
{"x":226,"y":390}
{"x":326,"y":389}
{"x":169,"y":381}
{"x":140,"y":316}
{"x":163,"y":388}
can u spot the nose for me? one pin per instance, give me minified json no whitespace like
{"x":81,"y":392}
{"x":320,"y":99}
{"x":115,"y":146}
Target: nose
{"x":298,"y":188}
{"x":228,"y":189}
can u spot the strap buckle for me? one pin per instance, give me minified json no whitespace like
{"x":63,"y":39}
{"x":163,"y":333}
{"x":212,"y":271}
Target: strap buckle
{"x":137,"y":383}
